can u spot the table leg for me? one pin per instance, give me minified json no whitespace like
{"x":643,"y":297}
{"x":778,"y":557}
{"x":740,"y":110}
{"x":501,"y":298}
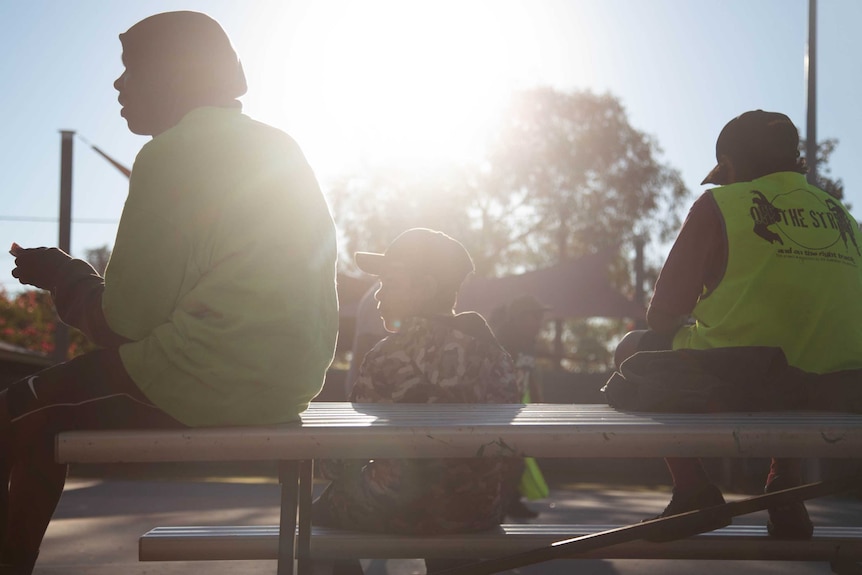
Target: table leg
{"x":303,"y":542}
{"x":288,"y":477}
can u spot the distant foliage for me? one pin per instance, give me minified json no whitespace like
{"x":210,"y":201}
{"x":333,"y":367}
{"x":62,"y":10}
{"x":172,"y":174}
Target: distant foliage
{"x":571,"y":175}
{"x":825,"y":181}
{"x":28,"y":320}
{"x":374,"y":206}
{"x":99,"y":257}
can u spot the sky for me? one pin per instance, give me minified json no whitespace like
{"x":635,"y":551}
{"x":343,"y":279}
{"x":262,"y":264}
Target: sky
{"x":415,"y":81}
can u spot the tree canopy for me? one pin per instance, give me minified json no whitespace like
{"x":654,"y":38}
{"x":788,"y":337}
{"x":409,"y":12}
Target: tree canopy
{"x":824,"y":179}
{"x":565,"y":174}
{"x":577,"y":177}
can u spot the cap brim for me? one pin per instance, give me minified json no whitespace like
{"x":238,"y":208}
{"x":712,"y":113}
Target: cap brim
{"x":371,"y":263}
{"x":716,"y":176}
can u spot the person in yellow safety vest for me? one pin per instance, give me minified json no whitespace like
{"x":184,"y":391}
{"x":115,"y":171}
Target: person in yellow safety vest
{"x":765,"y":259}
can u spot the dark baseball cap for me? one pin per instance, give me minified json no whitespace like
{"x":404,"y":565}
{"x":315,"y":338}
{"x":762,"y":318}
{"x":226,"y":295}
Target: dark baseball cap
{"x":192,"y":42}
{"x":421,"y":251}
{"x":754,"y":136}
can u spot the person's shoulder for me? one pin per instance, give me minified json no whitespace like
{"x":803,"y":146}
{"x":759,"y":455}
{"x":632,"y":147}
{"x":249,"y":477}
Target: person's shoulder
{"x":706,"y":200}
{"x":704,"y":209}
{"x":149,"y":158}
{"x":227,"y":124}
{"x":268,"y":132}
{"x":473,"y":324}
{"x":397,"y":341}
{"x":471,"y":331}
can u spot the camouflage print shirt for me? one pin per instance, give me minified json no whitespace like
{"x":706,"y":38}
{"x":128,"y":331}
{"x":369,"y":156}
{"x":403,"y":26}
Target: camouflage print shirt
{"x":445,"y":359}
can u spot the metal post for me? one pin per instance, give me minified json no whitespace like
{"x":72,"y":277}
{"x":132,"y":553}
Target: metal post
{"x":288,"y":478}
{"x":640,"y":295}
{"x":61,"y":334}
{"x":811,"y":469}
{"x":562,"y":256}
{"x":811,"y":74}
{"x":303,"y":539}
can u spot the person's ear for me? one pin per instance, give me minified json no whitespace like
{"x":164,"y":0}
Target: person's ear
{"x":426,"y":289}
{"x":423,"y":291}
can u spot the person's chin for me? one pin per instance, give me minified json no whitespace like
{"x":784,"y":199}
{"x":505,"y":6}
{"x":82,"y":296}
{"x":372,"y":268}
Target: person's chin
{"x":135,"y":125}
{"x":130,"y":122}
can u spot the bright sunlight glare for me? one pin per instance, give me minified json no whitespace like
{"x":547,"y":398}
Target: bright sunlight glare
{"x":415,"y":83}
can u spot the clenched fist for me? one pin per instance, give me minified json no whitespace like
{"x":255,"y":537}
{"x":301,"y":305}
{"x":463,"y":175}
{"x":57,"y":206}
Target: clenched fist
{"x":38,"y":266}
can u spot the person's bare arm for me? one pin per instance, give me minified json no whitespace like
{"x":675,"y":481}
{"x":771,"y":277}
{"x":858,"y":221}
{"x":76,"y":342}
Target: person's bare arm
{"x":696,"y":262}
{"x":664,"y":323}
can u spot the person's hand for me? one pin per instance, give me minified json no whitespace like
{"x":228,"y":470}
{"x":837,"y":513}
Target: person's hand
{"x":38,"y":266}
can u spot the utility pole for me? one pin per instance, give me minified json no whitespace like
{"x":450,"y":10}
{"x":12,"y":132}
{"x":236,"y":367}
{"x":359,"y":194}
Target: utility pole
{"x":640,"y":295}
{"x":562,"y":256}
{"x":811,"y":469}
{"x":811,"y":76}
{"x":61,"y":334}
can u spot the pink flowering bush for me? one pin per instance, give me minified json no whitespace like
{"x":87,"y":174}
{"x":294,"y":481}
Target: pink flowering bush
{"x":28,"y":320}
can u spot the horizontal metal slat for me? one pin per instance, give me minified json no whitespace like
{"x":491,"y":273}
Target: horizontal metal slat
{"x":736,"y":542}
{"x":343,"y":430}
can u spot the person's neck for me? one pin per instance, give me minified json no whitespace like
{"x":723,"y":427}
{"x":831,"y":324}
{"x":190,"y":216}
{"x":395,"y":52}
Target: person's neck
{"x":184,"y":106}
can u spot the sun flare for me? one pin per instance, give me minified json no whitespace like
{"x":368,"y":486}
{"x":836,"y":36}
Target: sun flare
{"x":407,"y":82}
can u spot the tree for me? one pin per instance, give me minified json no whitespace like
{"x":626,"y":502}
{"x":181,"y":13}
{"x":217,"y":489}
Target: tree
{"x":99,"y":257}
{"x":824,"y":180}
{"x":573,"y":176}
{"x":373,"y":207}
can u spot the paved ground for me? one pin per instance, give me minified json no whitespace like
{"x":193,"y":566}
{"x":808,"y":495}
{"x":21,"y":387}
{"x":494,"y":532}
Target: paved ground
{"x":98,"y":522}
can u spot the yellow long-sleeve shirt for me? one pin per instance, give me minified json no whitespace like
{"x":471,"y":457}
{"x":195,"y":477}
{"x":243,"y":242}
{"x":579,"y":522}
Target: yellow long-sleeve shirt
{"x":223,"y":273}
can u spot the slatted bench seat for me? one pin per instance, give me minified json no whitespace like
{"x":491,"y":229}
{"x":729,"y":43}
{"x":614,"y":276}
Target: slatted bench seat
{"x":736,"y":542}
{"x":345,"y":430}
{"x":364,"y":431}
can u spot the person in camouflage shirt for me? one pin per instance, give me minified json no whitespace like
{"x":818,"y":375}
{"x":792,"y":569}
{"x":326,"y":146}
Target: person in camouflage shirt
{"x":431,"y":356}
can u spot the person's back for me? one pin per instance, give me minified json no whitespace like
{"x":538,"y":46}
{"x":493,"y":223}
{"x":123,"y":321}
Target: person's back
{"x":789,"y":280}
{"x":430,"y":356}
{"x":438,"y":359}
{"x":241,"y":256}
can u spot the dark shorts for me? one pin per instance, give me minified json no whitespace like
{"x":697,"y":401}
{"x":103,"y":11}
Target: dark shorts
{"x":92,"y":391}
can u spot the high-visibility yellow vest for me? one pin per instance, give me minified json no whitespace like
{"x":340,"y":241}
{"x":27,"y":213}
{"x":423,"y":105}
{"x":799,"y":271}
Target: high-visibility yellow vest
{"x":793,"y":277}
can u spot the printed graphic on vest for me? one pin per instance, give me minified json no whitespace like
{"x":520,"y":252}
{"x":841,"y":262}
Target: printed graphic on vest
{"x":805,"y":224}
